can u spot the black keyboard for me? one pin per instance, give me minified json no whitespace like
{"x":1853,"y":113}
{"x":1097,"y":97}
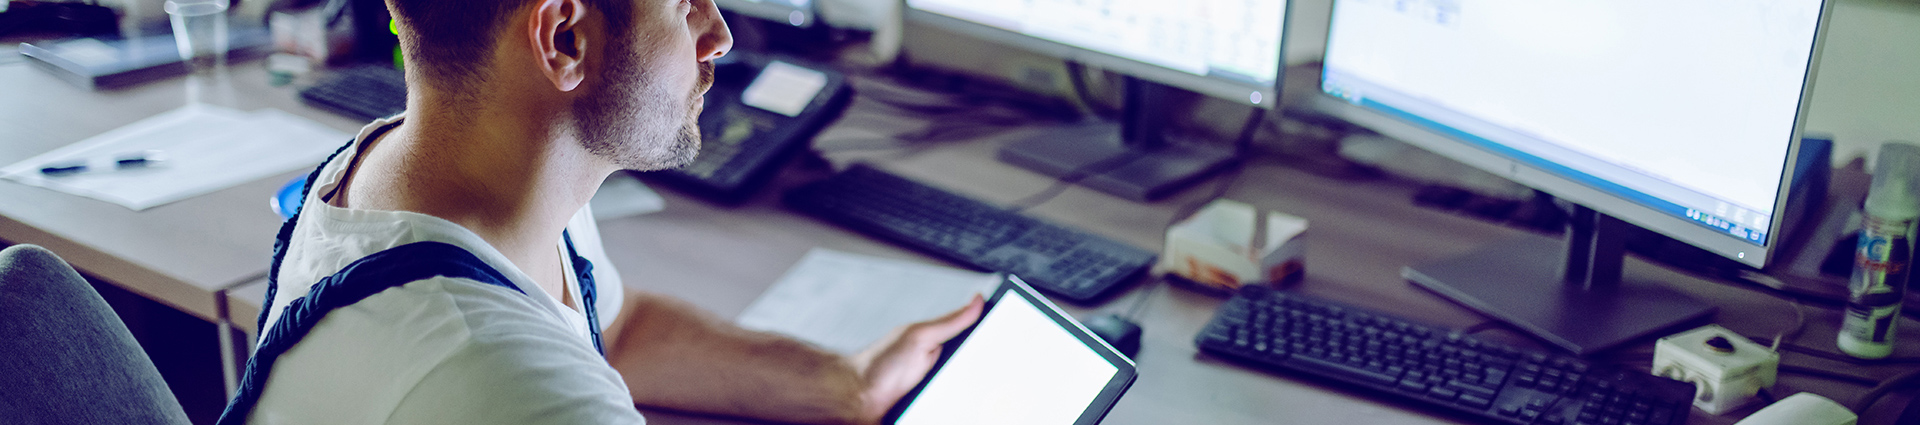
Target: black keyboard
{"x":364,"y":92}
{"x":1068,"y":263}
{"x":1294,"y":334}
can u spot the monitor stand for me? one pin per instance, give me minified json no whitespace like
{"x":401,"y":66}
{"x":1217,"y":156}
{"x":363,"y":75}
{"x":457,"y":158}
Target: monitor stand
{"x":1577,"y":302}
{"x":1133,"y":159}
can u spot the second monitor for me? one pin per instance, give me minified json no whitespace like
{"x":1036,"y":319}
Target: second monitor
{"x":1229,"y":49}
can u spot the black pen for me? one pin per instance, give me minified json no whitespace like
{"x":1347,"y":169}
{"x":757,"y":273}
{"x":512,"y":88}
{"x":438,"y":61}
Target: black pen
{"x":142,"y":159}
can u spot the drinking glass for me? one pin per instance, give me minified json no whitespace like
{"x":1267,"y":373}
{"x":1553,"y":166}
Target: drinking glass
{"x":200,"y":32}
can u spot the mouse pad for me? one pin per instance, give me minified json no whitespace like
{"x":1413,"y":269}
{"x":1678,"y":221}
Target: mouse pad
{"x":1024,"y":363}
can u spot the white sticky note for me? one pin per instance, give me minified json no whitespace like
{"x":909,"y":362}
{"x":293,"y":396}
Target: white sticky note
{"x":784,"y":88}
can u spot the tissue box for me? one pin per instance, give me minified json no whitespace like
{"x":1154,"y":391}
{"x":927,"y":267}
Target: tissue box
{"x":1225,"y":246}
{"x":1728,"y":369}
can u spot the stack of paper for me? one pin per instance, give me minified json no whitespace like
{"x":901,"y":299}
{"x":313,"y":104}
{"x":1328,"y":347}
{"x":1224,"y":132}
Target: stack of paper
{"x":845,"y":302}
{"x":205,"y":149}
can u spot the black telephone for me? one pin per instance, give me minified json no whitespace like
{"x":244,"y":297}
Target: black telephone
{"x":761,"y":110}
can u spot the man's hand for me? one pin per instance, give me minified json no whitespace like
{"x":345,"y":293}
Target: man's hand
{"x":897,"y":363}
{"x":675,"y":356}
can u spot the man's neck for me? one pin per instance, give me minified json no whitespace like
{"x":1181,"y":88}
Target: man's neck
{"x":513,"y":183}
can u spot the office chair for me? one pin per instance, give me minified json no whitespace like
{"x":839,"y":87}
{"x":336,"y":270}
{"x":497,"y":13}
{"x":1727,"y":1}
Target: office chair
{"x":65,"y":357}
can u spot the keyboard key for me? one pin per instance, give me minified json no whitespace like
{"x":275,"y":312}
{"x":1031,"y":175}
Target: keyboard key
{"x":1071,"y":264}
{"x":1363,"y":375}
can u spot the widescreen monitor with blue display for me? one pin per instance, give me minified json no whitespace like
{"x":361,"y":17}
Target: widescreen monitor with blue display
{"x":1678,"y":117}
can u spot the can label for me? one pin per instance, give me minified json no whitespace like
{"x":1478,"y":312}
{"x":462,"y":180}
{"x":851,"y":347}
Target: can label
{"x":1881,"y":265}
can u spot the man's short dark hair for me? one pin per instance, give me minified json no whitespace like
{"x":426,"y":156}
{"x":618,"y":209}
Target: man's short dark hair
{"x":452,"y":39}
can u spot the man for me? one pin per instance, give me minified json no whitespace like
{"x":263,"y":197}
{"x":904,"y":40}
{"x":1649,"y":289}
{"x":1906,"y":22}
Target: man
{"x":517,"y":110}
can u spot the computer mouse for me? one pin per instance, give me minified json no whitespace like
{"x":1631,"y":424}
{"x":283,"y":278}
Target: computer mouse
{"x":1119,"y":332}
{"x":1802,"y":409}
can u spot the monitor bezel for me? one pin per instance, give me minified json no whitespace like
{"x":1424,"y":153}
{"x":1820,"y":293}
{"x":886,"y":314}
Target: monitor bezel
{"x":1239,"y":92}
{"x":1124,"y":374}
{"x":1564,"y":187}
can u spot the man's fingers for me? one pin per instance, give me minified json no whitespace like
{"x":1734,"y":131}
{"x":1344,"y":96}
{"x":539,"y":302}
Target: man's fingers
{"x":940,"y":330}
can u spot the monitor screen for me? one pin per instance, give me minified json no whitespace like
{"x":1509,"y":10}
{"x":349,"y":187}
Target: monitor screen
{"x":1024,"y":365}
{"x":1237,"y":42}
{"x":1684,"y":108}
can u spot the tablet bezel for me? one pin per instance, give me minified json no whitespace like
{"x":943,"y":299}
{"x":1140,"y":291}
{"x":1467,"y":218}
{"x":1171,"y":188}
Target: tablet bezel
{"x":1124,"y":368}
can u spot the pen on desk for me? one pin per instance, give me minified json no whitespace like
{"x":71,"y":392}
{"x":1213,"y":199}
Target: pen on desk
{"x":126,"y":161}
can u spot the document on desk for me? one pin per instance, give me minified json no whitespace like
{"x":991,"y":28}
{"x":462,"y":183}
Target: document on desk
{"x":845,"y":301}
{"x":201,"y":149}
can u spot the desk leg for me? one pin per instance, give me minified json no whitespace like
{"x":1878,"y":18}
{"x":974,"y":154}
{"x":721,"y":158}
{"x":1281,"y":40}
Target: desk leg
{"x":229,"y":362}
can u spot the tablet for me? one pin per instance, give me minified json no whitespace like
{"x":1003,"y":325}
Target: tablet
{"x":1024,"y":363}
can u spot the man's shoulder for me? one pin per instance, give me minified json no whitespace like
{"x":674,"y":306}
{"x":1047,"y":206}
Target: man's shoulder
{"x":431,"y":317}
{"x":369,"y":357}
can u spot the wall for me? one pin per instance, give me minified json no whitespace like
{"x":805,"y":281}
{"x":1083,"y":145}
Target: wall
{"x":1868,"y":87}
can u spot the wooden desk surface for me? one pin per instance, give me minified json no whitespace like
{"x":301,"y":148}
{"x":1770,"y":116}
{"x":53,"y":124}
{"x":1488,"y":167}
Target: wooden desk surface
{"x":182,"y":253}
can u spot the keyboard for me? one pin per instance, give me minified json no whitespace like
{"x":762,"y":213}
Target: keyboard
{"x":1293,"y":334}
{"x":1064,"y":262}
{"x":364,"y":92}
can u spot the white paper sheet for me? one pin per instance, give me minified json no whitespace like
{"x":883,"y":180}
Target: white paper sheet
{"x":207,"y":148}
{"x":845,"y":302}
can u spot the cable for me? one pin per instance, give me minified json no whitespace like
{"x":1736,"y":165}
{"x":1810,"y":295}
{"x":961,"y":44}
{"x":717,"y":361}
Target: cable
{"x":1874,"y":394}
{"x":1823,"y":354}
{"x":1799,"y":324}
{"x":1551,"y":404}
{"x":968,"y":96}
{"x":1076,"y":74}
{"x":1140,"y":303}
{"x":1242,"y":147}
{"x":1769,"y":285}
{"x":1831,"y":376}
{"x":939,"y":131}
{"x":1061,"y":184}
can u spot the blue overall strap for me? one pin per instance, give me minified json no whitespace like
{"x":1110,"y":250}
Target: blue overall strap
{"x":283,"y":238}
{"x":391,"y":268}
{"x":583,"y":273}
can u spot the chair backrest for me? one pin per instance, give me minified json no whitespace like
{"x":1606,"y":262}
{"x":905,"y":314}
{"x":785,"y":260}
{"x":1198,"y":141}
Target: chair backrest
{"x":67,"y":357}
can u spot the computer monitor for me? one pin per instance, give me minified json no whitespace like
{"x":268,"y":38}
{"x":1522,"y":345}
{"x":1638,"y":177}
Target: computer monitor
{"x":797,"y":13}
{"x":1679,"y":117}
{"x":1224,"y":48}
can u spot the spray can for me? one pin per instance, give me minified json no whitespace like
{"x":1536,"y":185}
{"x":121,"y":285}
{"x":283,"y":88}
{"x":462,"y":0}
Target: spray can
{"x":1883,"y":258}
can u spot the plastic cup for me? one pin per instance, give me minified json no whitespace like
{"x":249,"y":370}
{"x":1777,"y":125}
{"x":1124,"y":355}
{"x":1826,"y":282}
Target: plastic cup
{"x":200,"y":31}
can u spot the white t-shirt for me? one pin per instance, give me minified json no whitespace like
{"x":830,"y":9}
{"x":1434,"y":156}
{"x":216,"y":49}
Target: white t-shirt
{"x":439,"y":350}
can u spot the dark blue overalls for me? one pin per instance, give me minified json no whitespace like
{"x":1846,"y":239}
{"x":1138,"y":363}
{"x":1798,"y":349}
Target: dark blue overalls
{"x":386,"y":269}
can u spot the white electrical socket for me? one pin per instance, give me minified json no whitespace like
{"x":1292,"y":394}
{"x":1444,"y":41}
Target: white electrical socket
{"x":1727,"y":369}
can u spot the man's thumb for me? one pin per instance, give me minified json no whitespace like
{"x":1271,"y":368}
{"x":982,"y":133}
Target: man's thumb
{"x":941,"y":329}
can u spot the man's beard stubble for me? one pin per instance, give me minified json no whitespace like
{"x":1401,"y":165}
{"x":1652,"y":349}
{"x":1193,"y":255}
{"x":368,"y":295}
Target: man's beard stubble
{"x":635,"y":120}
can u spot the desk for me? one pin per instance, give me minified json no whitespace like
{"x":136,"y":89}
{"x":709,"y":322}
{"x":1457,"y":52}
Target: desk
{"x":1363,"y":231}
{"x":181,"y":254}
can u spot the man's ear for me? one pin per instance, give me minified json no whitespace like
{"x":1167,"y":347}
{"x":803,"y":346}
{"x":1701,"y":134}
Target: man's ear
{"x":555,"y":29}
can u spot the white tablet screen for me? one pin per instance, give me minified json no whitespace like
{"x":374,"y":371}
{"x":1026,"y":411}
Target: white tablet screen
{"x":1018,"y":367}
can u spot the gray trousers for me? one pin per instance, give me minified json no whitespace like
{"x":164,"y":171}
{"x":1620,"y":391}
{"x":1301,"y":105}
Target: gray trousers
{"x":65,"y":358}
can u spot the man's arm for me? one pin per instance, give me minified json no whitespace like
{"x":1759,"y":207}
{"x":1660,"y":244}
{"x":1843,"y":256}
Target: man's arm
{"x":676,"y":356}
